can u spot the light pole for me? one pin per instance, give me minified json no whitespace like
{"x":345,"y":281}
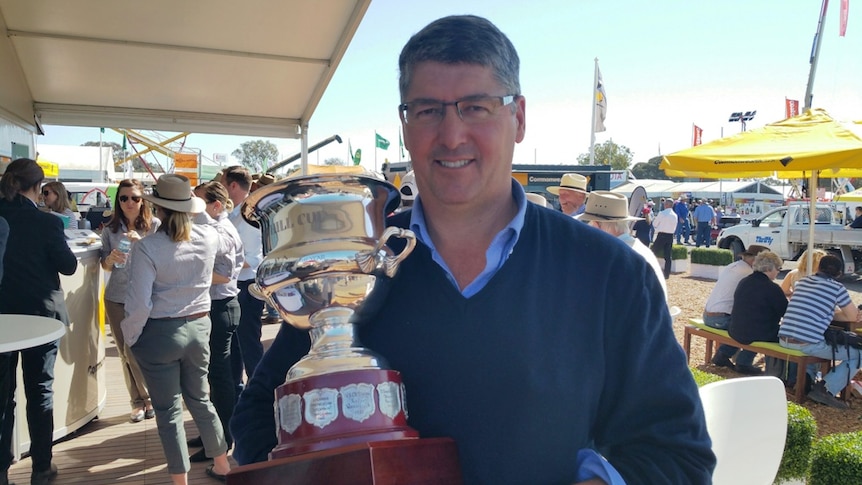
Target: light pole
{"x":742,"y":117}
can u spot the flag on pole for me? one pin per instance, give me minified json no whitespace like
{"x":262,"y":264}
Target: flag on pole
{"x":844,"y":12}
{"x":696,"y":136}
{"x":381,"y":142}
{"x":791,"y":107}
{"x":601,"y":106}
{"x":357,"y":157}
{"x":349,"y":149}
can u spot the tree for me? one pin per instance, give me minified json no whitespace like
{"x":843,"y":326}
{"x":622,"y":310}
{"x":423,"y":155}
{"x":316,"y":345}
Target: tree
{"x":609,"y":153}
{"x":137,"y":162}
{"x":650,"y":170}
{"x":256,"y":154}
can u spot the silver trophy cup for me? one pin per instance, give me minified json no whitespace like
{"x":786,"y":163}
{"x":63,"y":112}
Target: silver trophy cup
{"x":327,"y":267}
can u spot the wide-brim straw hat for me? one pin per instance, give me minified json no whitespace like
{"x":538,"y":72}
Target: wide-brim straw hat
{"x":570,"y":181}
{"x":603,"y":206}
{"x":174,"y":192}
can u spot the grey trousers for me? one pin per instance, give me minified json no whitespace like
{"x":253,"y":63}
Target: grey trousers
{"x":174,"y":355}
{"x":138,"y":394}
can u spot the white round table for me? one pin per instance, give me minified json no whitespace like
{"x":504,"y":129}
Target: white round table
{"x":19,"y":332}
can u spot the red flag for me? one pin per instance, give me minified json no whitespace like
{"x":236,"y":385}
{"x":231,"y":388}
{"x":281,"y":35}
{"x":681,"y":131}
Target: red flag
{"x":845,"y":10}
{"x":791,"y":108}
{"x":696,"y":135}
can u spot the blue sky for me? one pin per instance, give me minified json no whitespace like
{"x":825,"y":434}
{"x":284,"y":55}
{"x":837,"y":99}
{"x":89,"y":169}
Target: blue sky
{"x":665,"y":66}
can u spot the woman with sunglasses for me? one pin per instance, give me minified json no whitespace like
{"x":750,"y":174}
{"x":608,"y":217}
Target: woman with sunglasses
{"x":56,"y":198}
{"x":132,"y":219}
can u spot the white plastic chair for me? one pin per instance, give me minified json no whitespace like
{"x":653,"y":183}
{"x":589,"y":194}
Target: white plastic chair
{"x":747,"y":420}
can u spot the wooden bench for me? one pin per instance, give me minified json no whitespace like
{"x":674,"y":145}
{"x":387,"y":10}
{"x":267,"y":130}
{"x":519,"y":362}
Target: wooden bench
{"x":772,"y":349}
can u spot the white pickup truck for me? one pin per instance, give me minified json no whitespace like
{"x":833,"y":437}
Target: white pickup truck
{"x":784,"y":230}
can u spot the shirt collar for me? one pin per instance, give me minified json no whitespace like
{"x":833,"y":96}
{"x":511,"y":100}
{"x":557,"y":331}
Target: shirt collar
{"x":420,"y":227}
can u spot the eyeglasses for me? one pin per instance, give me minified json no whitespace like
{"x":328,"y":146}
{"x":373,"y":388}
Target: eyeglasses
{"x":472,"y":109}
{"x":135,"y":198}
{"x":46,"y":193}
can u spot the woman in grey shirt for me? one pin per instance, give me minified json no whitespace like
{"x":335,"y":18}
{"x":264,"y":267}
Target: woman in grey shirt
{"x":132,"y":219}
{"x":167,"y":324}
{"x":225,"y":310}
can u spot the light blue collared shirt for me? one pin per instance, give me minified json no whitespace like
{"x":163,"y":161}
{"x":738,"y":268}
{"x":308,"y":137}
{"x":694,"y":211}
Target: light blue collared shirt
{"x":496,"y":254}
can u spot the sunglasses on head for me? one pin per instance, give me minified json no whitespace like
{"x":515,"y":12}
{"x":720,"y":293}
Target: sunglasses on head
{"x":135,"y":198}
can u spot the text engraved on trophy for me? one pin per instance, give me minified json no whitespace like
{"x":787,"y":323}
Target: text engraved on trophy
{"x":390,"y":399}
{"x":321,"y":406}
{"x":290,"y":412}
{"x":321,"y":221}
{"x":357,"y":401}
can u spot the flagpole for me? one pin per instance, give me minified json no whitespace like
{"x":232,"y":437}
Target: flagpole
{"x":812,"y":183}
{"x":593,"y":121}
{"x":375,"y":150}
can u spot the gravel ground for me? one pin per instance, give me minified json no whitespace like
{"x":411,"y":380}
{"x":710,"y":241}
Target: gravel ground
{"x":690,"y":294}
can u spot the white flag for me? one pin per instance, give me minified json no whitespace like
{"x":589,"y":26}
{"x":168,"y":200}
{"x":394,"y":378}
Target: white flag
{"x":601,"y":106}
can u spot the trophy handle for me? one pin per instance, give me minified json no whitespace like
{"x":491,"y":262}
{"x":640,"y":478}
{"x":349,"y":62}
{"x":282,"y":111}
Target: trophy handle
{"x":390,"y":263}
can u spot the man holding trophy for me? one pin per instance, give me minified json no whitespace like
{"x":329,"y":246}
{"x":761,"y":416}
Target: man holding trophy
{"x":510,"y":332}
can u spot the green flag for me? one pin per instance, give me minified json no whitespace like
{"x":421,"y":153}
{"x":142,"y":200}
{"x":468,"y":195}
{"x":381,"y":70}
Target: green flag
{"x":381,"y":142}
{"x":357,"y":157}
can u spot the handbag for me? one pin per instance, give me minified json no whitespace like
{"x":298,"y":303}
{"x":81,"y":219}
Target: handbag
{"x":837,"y":337}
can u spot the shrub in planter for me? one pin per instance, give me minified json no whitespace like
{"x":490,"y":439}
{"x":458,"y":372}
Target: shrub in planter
{"x":677,"y":252}
{"x":837,"y":459}
{"x":708,"y":263}
{"x":712,"y":257}
{"x":801,"y":432}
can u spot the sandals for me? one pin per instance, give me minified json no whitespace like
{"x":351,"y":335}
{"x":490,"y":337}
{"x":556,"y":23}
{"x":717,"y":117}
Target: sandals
{"x":212,"y":473}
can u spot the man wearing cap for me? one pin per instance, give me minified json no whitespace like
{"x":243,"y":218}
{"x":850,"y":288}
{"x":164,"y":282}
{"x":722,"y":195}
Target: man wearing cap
{"x":608,"y":211}
{"x":572,"y":192}
{"x":705,"y":217}
{"x":719,"y":305}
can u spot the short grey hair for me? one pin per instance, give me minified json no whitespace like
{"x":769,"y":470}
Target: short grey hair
{"x":462,"y":39}
{"x":614,"y":227}
{"x":766,"y":261}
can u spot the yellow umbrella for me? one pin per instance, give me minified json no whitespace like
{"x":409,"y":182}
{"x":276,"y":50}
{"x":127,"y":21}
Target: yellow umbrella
{"x":810,"y":141}
{"x":855,"y":196}
{"x":51,"y":169}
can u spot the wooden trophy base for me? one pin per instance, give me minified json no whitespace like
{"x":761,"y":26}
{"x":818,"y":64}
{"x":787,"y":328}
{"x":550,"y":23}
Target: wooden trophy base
{"x":426,"y":461}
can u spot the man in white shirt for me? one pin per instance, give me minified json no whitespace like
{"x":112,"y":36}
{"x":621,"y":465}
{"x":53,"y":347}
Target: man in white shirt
{"x":237,"y":180}
{"x":665,"y":226}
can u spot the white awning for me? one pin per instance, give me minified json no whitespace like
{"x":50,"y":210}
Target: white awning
{"x":251,"y":67}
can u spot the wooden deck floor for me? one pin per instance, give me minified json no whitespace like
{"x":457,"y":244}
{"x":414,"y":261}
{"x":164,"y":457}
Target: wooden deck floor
{"x":111,"y":449}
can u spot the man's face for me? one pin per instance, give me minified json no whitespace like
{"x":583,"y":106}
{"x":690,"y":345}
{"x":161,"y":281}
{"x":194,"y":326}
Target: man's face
{"x":570,"y":200}
{"x":236,"y":193}
{"x":858,"y":212}
{"x":458,"y":164}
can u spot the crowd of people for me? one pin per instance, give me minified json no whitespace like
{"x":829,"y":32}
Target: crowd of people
{"x":747,"y":303}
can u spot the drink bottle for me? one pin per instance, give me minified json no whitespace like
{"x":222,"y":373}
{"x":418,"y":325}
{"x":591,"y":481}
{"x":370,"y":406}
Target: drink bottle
{"x":124,"y":247}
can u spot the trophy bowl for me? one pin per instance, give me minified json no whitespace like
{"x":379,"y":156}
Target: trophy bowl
{"x":326,"y":268}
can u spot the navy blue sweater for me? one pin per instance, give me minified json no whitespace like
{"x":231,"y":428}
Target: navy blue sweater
{"x":569,"y":346}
